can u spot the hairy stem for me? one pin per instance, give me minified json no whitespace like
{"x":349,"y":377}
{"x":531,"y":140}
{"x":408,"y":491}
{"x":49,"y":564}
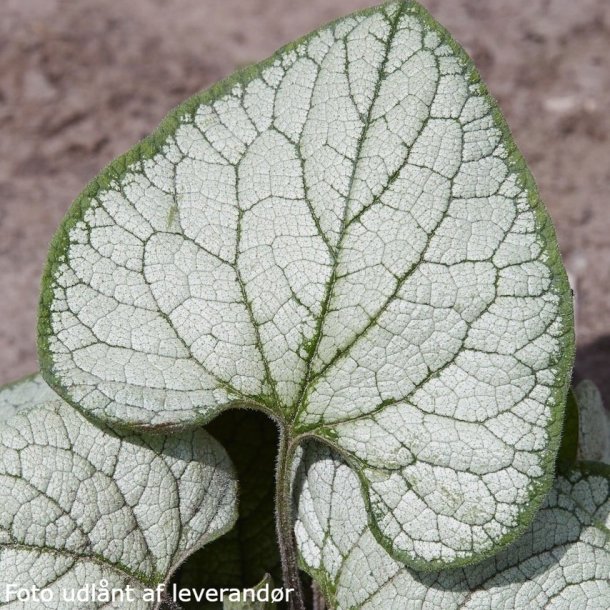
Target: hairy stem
{"x":284,"y":521}
{"x":319,"y":603}
{"x":168,"y":603}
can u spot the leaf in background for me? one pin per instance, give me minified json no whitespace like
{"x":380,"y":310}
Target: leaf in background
{"x":243,"y":556}
{"x":31,"y":390}
{"x":253,"y":605}
{"x":82,"y":504}
{"x":594,"y":428}
{"x":561,"y":561}
{"x":344,"y":236}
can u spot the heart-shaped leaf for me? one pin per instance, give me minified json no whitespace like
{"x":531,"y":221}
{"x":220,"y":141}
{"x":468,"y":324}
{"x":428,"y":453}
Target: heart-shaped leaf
{"x":346,"y":237}
{"x":562,"y":560}
{"x":83,"y":505}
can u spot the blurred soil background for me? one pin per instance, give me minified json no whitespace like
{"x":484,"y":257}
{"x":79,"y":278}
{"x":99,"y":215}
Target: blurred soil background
{"x":82,"y":81}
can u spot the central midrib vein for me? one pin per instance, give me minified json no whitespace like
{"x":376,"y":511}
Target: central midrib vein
{"x":299,"y":402}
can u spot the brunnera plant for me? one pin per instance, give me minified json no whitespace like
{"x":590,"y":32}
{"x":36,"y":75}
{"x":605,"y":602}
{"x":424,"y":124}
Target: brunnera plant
{"x":343,"y":238}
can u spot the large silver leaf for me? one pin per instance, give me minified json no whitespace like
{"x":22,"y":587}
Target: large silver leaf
{"x":82,"y":504}
{"x":562,"y":561}
{"x":346,"y":237}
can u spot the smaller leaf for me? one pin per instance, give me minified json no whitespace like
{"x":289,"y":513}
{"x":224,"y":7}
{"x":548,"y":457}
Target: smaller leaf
{"x":31,"y":390}
{"x":84,"y":505}
{"x":568,"y":450}
{"x":561,"y":561}
{"x":594,"y":428}
{"x":249,"y":601}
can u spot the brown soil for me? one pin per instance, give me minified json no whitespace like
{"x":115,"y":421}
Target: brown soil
{"x":80,"y":82}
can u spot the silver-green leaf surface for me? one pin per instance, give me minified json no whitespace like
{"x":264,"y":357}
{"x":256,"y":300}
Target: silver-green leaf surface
{"x":27,"y":392}
{"x":82,"y":504}
{"x":561,"y":562}
{"x":344,"y":236}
